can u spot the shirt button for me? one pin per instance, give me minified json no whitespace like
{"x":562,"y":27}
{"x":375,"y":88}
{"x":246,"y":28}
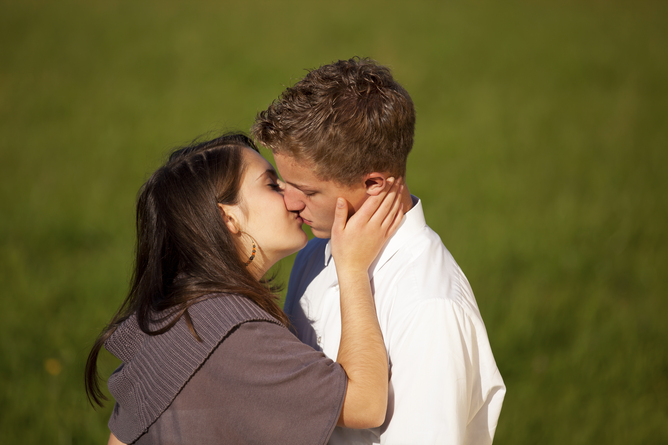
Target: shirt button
{"x":319,"y":340}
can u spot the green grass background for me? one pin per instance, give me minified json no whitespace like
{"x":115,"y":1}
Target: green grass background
{"x":540,"y":156}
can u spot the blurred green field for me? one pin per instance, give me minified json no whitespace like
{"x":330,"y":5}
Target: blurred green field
{"x":540,"y":156}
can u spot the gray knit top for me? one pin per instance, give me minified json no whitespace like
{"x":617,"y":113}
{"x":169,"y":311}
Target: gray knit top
{"x":265,"y":372}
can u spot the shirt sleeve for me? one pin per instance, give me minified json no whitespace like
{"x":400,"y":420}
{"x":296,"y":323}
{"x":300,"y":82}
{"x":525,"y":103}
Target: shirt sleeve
{"x":447,"y":389}
{"x":261,"y":385}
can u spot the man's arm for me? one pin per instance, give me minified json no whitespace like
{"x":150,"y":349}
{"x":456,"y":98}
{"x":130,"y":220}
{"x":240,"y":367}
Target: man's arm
{"x":447,"y":389}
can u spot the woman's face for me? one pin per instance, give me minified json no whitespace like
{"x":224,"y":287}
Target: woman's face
{"x":277,"y":231}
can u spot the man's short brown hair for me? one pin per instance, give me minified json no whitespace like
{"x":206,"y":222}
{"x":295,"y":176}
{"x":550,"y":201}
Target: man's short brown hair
{"x":345,"y":119}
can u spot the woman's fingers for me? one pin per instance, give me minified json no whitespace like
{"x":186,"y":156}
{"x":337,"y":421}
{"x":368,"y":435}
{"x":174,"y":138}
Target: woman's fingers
{"x":395,"y":215}
{"x":370,"y":207}
{"x":387,"y":207}
{"x":340,"y":216}
{"x":358,"y":240}
{"x":380,"y":212}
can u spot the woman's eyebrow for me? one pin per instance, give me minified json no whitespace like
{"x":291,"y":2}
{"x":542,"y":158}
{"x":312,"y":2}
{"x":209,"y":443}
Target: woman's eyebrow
{"x":268,"y":172}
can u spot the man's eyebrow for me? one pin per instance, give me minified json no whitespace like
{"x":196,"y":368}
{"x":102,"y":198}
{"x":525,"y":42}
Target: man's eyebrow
{"x":301,"y":187}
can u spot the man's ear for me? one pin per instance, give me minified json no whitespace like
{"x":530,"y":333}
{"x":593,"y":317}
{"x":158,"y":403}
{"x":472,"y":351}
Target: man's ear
{"x":375,"y":183}
{"x":229,"y":215}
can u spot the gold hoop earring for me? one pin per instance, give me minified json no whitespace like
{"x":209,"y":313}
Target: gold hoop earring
{"x":252,"y":256}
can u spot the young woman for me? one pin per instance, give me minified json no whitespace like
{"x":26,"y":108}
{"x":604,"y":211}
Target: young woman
{"x":207,"y":356}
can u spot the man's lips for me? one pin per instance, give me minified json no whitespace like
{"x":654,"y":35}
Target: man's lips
{"x":306,"y":221}
{"x":299,"y":219}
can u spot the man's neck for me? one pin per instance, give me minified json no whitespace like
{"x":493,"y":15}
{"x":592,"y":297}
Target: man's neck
{"x":406,"y":199}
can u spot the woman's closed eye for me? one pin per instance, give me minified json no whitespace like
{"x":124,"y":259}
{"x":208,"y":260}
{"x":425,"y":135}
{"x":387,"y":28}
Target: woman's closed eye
{"x":275,"y":186}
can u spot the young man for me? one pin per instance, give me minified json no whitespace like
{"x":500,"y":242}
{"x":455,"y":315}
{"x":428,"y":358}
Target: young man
{"x":344,"y":130}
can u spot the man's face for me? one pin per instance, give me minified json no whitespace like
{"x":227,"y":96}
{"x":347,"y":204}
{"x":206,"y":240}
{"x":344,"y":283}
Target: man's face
{"x":313,"y":198}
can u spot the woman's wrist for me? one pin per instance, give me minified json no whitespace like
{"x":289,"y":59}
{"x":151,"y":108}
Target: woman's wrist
{"x":351,"y":272}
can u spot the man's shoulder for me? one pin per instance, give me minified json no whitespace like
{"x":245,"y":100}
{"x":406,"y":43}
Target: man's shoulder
{"x":310,"y":262}
{"x":315,"y":249}
{"x":425,"y":270}
{"x":421,"y":251}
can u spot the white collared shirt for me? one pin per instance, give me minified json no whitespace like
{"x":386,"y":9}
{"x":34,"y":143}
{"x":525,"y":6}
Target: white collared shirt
{"x":445,"y":387}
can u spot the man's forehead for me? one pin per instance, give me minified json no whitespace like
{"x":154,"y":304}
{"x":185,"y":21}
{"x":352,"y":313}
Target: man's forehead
{"x":302,"y":175}
{"x":288,"y":160}
{"x":297,"y":171}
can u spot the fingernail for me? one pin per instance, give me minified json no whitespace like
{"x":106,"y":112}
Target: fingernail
{"x":340,"y":203}
{"x":390,"y":180}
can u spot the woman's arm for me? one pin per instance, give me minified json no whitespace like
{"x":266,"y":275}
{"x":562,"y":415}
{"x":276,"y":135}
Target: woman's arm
{"x":113,"y":440}
{"x":355,"y":244}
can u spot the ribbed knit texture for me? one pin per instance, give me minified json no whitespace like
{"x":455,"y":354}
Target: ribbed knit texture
{"x":155,"y":368}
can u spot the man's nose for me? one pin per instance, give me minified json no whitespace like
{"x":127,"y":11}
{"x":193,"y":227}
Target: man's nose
{"x":292,"y":200}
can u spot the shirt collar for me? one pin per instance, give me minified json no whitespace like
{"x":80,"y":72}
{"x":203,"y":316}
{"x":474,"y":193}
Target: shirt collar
{"x":412,"y":222}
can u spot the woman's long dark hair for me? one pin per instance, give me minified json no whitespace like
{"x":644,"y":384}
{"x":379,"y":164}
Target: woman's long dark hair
{"x":184,"y":251}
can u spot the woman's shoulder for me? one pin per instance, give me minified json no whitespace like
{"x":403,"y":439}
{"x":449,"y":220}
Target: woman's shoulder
{"x":213,"y":317}
{"x":228,"y":391}
{"x":225,"y":311}
{"x":260,"y":371}
{"x":156,"y":367}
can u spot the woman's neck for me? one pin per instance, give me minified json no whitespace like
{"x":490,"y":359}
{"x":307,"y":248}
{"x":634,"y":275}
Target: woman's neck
{"x":260,"y":265}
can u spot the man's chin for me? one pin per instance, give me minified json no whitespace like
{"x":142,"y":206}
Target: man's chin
{"x":321,"y":233}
